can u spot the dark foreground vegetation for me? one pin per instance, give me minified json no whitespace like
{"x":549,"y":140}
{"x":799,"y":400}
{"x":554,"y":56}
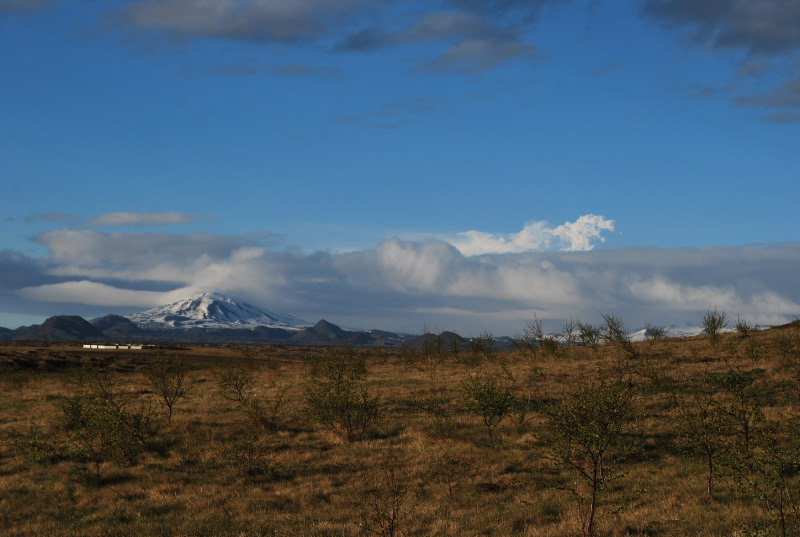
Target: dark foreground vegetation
{"x":693,"y":436}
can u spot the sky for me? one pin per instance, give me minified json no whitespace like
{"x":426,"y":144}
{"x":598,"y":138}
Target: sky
{"x":397,"y":164}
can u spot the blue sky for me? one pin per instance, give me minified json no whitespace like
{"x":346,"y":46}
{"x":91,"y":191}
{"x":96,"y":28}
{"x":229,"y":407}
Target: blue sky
{"x":339,"y":154}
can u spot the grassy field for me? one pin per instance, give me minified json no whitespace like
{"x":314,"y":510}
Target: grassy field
{"x":428,"y":461}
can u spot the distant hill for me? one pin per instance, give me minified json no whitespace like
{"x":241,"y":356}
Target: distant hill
{"x":326,"y":333}
{"x":445,"y":339}
{"x":116,"y":326}
{"x":60,"y":328}
{"x":210,"y":318}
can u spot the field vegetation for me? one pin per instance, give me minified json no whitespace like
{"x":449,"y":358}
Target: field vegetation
{"x":686,"y":437}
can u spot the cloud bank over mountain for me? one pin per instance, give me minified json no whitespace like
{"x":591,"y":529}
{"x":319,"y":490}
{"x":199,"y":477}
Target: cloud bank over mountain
{"x":480,"y":281}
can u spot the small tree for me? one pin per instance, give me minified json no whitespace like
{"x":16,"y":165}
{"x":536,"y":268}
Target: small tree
{"x":388,"y":500}
{"x":100,"y":425}
{"x":769,"y":472}
{"x":740,"y":404}
{"x":589,"y":335}
{"x":569,"y":329}
{"x":615,"y":332}
{"x":481,"y":348}
{"x":530,"y":340}
{"x":590,"y":436}
{"x":654,"y":333}
{"x":490,"y":399}
{"x":336,"y":393}
{"x":550,"y":345}
{"x":701,"y":426}
{"x":454,"y":345}
{"x":713,"y":323}
{"x":236,"y":384}
{"x":263,"y":410}
{"x":743,"y":326}
{"x":168,"y":382}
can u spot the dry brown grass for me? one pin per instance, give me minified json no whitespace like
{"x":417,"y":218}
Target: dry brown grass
{"x":454,"y":482}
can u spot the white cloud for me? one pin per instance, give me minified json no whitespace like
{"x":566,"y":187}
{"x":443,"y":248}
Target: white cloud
{"x":141,"y":219}
{"x":401,"y":285}
{"x":768,"y":307}
{"x":97,"y":294}
{"x":580,"y":235}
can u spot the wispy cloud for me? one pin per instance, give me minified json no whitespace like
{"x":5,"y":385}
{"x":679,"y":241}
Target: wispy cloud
{"x":21,"y":6}
{"x":757,"y":26}
{"x":473,"y":42}
{"x":475,"y":55}
{"x":67,"y":218}
{"x":283,"y":70}
{"x":761,"y":32}
{"x":787,"y":95}
{"x":464,"y":37}
{"x":141,"y":219}
{"x":260,"y":21}
{"x":783,"y":100}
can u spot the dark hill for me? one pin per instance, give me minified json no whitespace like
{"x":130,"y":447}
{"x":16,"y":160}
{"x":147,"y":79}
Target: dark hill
{"x":445,"y":340}
{"x":116,"y":326}
{"x":326,"y":330}
{"x":61,"y":328}
{"x":271,"y":334}
{"x":325,"y":333}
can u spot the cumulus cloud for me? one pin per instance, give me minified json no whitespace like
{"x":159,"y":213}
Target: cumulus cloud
{"x":580,"y":235}
{"x":767,"y":306}
{"x":141,"y":219}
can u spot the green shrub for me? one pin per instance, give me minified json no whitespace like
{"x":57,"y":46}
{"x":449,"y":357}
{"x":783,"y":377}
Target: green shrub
{"x":337,"y":396}
{"x":743,"y":326}
{"x":713,"y":323}
{"x":592,"y":433}
{"x":101,"y":426}
{"x":490,"y":399}
{"x":265,"y":411}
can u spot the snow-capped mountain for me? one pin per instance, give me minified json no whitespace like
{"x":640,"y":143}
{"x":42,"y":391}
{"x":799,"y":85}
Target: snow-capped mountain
{"x":674,"y":330}
{"x":212,"y":310}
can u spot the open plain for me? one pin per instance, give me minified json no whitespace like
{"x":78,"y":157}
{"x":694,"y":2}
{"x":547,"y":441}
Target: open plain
{"x":440,"y":441}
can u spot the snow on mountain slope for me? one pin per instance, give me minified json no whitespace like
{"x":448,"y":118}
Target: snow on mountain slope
{"x":212,"y":310}
{"x":674,"y":330}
